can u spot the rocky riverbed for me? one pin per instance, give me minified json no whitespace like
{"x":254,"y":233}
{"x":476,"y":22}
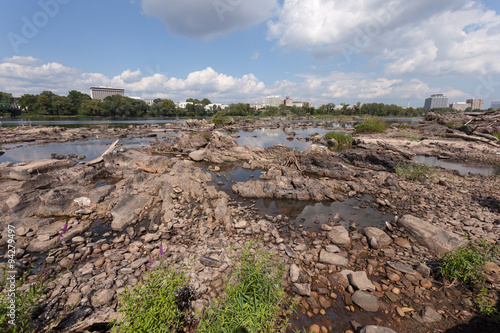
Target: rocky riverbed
{"x":117,"y":211}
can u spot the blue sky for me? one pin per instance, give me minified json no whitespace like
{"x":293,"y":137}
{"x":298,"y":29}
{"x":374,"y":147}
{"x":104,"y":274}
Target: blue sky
{"x":319,"y":51}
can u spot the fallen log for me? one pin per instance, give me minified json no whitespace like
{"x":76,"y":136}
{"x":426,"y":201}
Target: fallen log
{"x":101,"y":158}
{"x":470,"y":138}
{"x":406,"y":153}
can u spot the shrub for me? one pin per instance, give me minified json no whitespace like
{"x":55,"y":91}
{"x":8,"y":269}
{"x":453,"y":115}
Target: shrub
{"x":487,"y":306}
{"x":151,"y":306}
{"x":371,"y":125}
{"x":414,"y":171}
{"x":343,"y":140}
{"x":221,"y":118}
{"x":252,"y":300}
{"x":466,"y":262}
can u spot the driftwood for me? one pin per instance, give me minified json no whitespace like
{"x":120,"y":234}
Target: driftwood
{"x":290,"y":160}
{"x":470,"y":138}
{"x":149,"y":170}
{"x":101,"y":158}
{"x":406,"y":153}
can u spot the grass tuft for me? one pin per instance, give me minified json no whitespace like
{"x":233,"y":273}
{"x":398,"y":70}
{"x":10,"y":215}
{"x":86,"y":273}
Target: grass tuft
{"x":371,"y":125}
{"x":415,"y":171}
{"x":343,"y":140}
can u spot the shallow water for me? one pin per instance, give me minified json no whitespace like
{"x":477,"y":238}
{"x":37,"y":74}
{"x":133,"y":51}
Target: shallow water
{"x":462,"y":167}
{"x":85,"y":122}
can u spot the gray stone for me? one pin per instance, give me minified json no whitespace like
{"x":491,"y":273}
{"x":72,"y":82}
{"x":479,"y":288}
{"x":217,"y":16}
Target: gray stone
{"x":360,"y":281}
{"x":366,"y":301}
{"x":423,"y":269}
{"x":124,"y":213}
{"x":436,"y":239}
{"x":73,"y":299}
{"x":78,"y":239}
{"x":138,"y":263}
{"x":148,"y":238}
{"x":326,"y":257}
{"x":29,"y":169}
{"x":289,"y":252}
{"x":339,"y":236}
{"x":376,"y":329}
{"x":332,"y":248}
{"x":303,"y":289}
{"x":198,"y":155}
{"x":294,"y":273}
{"x":210,"y":262}
{"x":87,"y":269}
{"x":429,"y":315}
{"x":241,"y":224}
{"x":400,"y":267}
{"x":22,"y":231}
{"x":102,"y":297}
{"x":382,"y":238}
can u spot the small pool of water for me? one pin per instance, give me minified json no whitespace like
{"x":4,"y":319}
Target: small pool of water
{"x":463,"y":168}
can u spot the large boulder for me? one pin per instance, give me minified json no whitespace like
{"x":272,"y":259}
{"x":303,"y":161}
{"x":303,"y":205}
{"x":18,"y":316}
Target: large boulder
{"x":339,"y":236}
{"x":434,"y":238}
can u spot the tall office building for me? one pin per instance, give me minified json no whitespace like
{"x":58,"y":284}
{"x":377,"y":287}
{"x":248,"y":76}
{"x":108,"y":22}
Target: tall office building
{"x":475,"y":103}
{"x":274,"y":100}
{"x":436,"y":101}
{"x":495,"y":105}
{"x":102,"y":92}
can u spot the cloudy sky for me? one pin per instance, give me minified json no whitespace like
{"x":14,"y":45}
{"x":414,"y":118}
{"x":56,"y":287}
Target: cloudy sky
{"x":321,"y":51}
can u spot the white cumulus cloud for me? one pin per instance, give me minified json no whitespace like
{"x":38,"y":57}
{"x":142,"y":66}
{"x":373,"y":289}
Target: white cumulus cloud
{"x":208,"y":19}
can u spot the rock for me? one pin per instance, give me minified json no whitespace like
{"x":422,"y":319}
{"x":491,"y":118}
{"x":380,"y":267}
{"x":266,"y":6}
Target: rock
{"x":376,"y":329}
{"x":339,"y":236}
{"x":332,"y":248}
{"x":24,"y":171}
{"x":73,"y":299}
{"x":198,"y":155}
{"x":78,"y":239}
{"x":360,"y":281}
{"x":382,"y":238}
{"x":82,"y":201}
{"x":241,"y":225}
{"x":289,"y":252}
{"x":400,"y":267}
{"x":210,"y":262}
{"x":303,"y":289}
{"x":124,"y":213}
{"x":314,"y":328}
{"x":294,"y":273}
{"x":102,"y":297}
{"x":436,"y":239}
{"x":97,"y":195}
{"x":138,"y":263}
{"x":22,"y":231}
{"x":429,"y":315}
{"x":87,"y":269}
{"x":332,"y":259}
{"x":426,"y":283}
{"x":424,"y":270}
{"x":148,"y":238}
{"x":366,"y":301}
{"x":393,"y":277}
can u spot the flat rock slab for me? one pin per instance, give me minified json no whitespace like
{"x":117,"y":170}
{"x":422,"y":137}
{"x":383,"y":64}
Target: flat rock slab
{"x":124,"y":213}
{"x":339,"y":236}
{"x":326,"y":257}
{"x":360,"y":281}
{"x":382,"y":238}
{"x":366,"y":301}
{"x":376,"y":329}
{"x":26,"y":170}
{"x":400,"y":267}
{"x":435,"y":239}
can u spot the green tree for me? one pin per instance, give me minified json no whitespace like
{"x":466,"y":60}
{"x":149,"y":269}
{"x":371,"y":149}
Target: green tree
{"x":91,"y":108}
{"x":28,"y":101}
{"x":76,"y":99}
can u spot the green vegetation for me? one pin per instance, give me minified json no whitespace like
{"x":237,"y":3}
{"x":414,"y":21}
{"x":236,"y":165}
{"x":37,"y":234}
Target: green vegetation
{"x":451,"y":124}
{"x":414,"y":171}
{"x":343,"y":140}
{"x":253,"y":298}
{"x":466,"y":262}
{"x":221,"y":118}
{"x":151,"y":305}
{"x":408,"y":136}
{"x":497,"y":135}
{"x":487,"y":305}
{"x":26,"y":300}
{"x":371,"y":125}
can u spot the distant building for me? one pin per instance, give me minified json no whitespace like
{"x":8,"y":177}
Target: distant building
{"x":182,"y":105}
{"x":148,"y":101}
{"x":495,"y":105}
{"x":475,"y":103}
{"x":460,"y":106}
{"x":436,"y":101}
{"x":101,"y":93}
{"x":216,"y":105}
{"x":274,"y":100}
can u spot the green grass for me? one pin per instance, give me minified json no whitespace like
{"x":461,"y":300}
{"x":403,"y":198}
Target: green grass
{"x":415,"y":171}
{"x":408,"y":136}
{"x":487,"y":306}
{"x":371,"y":125}
{"x":466,"y":262}
{"x":253,"y":299}
{"x":151,"y":305}
{"x":343,"y":140}
{"x":221,"y":118}
{"x":451,"y":124}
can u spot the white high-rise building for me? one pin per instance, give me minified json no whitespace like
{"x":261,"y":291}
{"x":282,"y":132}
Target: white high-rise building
{"x":102,"y":92}
{"x":274,"y":100}
{"x":436,"y":101}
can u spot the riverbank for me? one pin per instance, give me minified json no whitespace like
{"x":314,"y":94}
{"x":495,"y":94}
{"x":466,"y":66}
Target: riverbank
{"x":132,"y":202}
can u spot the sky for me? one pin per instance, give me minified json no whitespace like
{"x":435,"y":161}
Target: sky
{"x":318,"y":51}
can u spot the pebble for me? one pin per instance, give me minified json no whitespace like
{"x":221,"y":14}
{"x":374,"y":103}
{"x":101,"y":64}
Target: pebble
{"x":426,"y":284}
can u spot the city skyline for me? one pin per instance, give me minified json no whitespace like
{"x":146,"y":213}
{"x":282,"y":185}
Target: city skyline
{"x":233,"y":51}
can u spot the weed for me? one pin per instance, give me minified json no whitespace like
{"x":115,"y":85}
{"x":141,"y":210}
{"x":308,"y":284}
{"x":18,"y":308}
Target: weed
{"x":371,"y":125}
{"x":466,"y":262}
{"x":253,"y":298}
{"x":487,"y":305}
{"x":451,"y":124}
{"x":151,"y":306}
{"x":221,"y":118}
{"x":497,"y":135}
{"x":414,"y":171}
{"x":343,"y":140}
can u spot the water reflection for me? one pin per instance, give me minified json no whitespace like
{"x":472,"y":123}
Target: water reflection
{"x":462,"y":167}
{"x":86,"y":122}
